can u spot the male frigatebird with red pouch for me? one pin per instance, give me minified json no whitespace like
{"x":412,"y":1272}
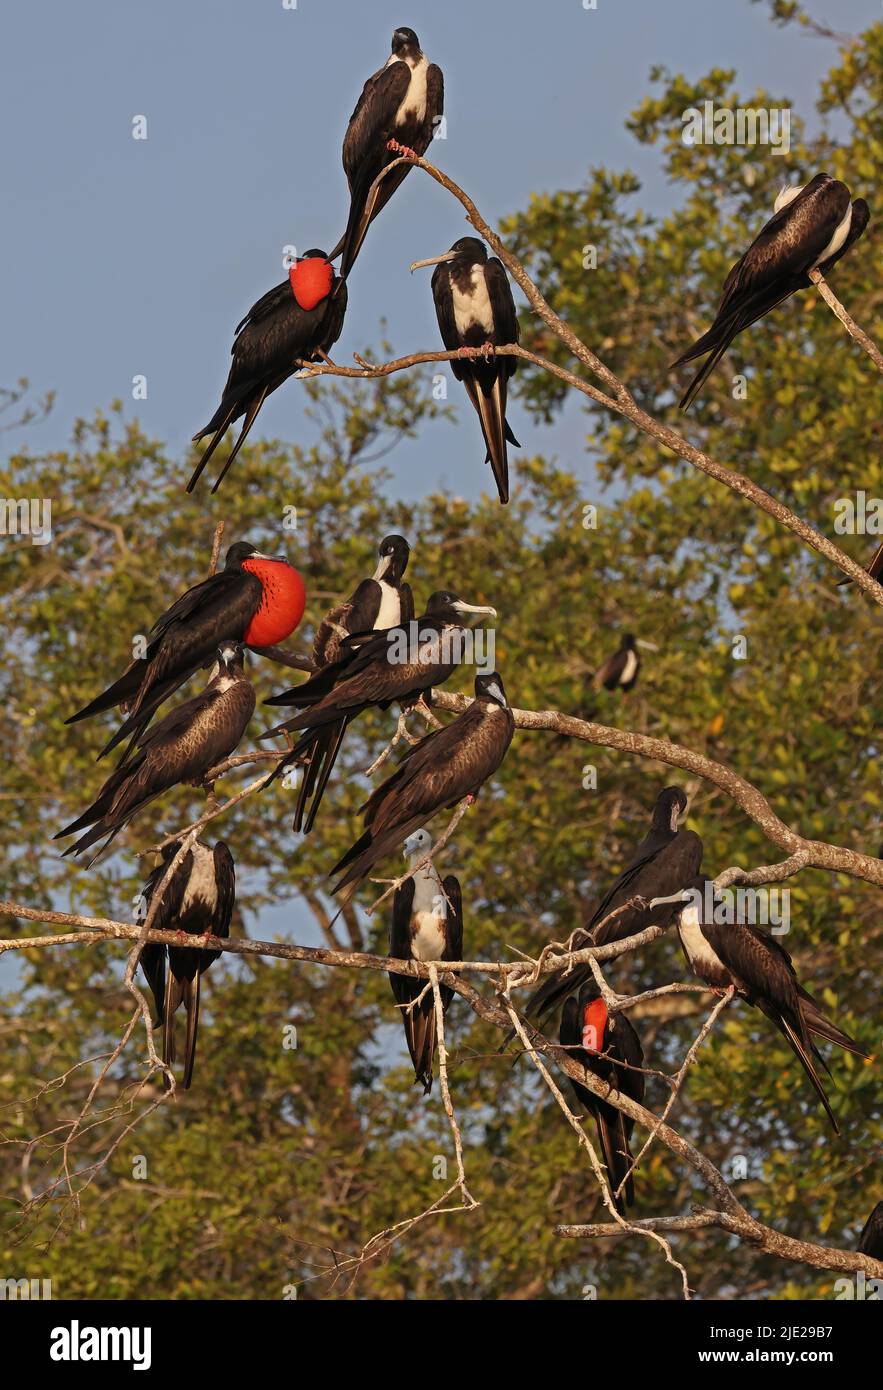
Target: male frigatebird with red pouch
{"x":255,"y":599}
{"x":607,"y":1046}
{"x":475,"y":310}
{"x":295,"y":322}
{"x":427,"y":925}
{"x":726,"y":953}
{"x":396,"y":114}
{"x":198,"y":900}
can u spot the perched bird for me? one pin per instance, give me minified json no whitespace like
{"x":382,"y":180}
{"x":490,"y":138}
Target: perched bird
{"x":379,"y":602}
{"x":297,"y":321}
{"x":427,"y":925}
{"x":871,"y":1239}
{"x":726,"y":952}
{"x":475,"y":310}
{"x":180,"y":749}
{"x":666,"y":861}
{"x":255,"y":599}
{"x":610,"y":1049}
{"x":438,"y":772}
{"x":393,"y":665}
{"x":396,"y":114}
{"x":198,"y":900}
{"x":811,"y":228}
{"x":620,"y":670}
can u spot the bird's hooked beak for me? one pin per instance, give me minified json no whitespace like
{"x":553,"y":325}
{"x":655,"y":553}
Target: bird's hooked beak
{"x":647,"y":646}
{"x":463,"y":607}
{"x":433,"y":260}
{"x":411,"y":845}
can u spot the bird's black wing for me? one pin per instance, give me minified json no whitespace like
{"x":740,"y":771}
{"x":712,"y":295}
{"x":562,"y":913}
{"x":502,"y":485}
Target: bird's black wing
{"x":225,"y":883}
{"x":506,"y":329}
{"x":443,"y":298}
{"x":372,"y":119}
{"x":266,"y":305}
{"x":454,"y":932}
{"x":871,"y":1239}
{"x":406,"y":597}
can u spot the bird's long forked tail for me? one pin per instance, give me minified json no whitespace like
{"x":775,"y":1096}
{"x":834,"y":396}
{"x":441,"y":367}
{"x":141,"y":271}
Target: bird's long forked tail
{"x":491,"y":409}
{"x":361,"y":214}
{"x":178,"y":992}
{"x":805,"y":1057}
{"x":615,"y":1150}
{"x":217,"y":435}
{"x":420,"y":1035}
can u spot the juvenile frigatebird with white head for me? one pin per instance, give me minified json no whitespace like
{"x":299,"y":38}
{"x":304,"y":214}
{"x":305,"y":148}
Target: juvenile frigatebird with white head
{"x":811,"y":228}
{"x":727,"y":953}
{"x":198,"y":900}
{"x":427,"y":925}
{"x":444,"y":768}
{"x":476,"y":311}
{"x":396,"y":665}
{"x":397,"y":114}
{"x":256,"y":599}
{"x":295,"y":322}
{"x":189,"y":741}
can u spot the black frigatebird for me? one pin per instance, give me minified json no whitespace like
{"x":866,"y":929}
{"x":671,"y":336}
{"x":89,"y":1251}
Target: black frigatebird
{"x":438,"y":772}
{"x":396,"y":114}
{"x":870,"y":1241}
{"x":198,"y":900}
{"x":666,"y":860}
{"x":607,"y":1046}
{"x":725,"y":953}
{"x":181,"y":748}
{"x":619,"y":671}
{"x":475,"y":310}
{"x":394,"y":665}
{"x":811,"y":228}
{"x":297,"y":321}
{"x":380,"y":602}
{"x":427,"y":925}
{"x":255,"y":599}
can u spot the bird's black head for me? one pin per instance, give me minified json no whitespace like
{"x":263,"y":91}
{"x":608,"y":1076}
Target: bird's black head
{"x":700,"y":895}
{"x":491,"y":688}
{"x":405,"y":43}
{"x":671,"y":803}
{"x":314,"y":254}
{"x":470,"y":248}
{"x":239,"y":551}
{"x":449,"y":607}
{"x":628,"y":641}
{"x":394,"y":553}
{"x":231,"y":658}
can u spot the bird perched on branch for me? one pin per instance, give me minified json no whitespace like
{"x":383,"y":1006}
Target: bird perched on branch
{"x":255,"y":599}
{"x":607,"y":1046}
{"x":619,"y":671}
{"x":427,"y":925}
{"x":442,"y":769}
{"x":383,"y":601}
{"x":397,"y":113}
{"x":198,"y":900}
{"x":295,"y":322}
{"x":811,"y":228}
{"x":476,"y":313}
{"x":181,"y":748}
{"x":726,"y":953}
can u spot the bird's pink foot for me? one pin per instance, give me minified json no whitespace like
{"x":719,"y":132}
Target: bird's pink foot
{"x":395,"y":148}
{"x":487,"y":351}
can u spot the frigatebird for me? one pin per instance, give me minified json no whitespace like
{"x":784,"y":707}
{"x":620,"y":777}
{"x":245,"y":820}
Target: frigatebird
{"x":181,"y":748}
{"x":380,"y":602}
{"x":427,"y":925}
{"x":399,"y":664}
{"x":619,"y":671}
{"x":295,"y":322}
{"x":256,"y":599}
{"x":396,"y":115}
{"x":726,"y":953}
{"x":870,"y":1241}
{"x":442,"y":769}
{"x":475,"y":310}
{"x":607,"y":1046}
{"x":666,"y":861}
{"x":197,"y":900}
{"x":811,"y":228}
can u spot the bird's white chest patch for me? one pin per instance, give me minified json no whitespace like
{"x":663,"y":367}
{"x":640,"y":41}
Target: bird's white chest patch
{"x":390,"y":612}
{"x":840,"y":234}
{"x":473,"y":305}
{"x":699,"y":953}
{"x":201,"y":886}
{"x":629,"y":669}
{"x":429,"y":913}
{"x":413,"y":104}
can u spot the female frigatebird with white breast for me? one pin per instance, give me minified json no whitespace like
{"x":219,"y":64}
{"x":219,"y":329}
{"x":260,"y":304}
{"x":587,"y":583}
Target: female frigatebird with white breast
{"x":726,"y":953}
{"x":295,"y":322}
{"x":181,"y":748}
{"x":435,"y":774}
{"x":377,"y":603}
{"x":607,"y":1046}
{"x":475,"y":310}
{"x":811,"y":228}
{"x":666,"y":861}
{"x":374,"y":671}
{"x":255,"y":599}
{"x":396,"y":115}
{"x":427,"y":925}
{"x":871,"y":1239}
{"x":198,"y":900}
{"x":620,"y":670}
